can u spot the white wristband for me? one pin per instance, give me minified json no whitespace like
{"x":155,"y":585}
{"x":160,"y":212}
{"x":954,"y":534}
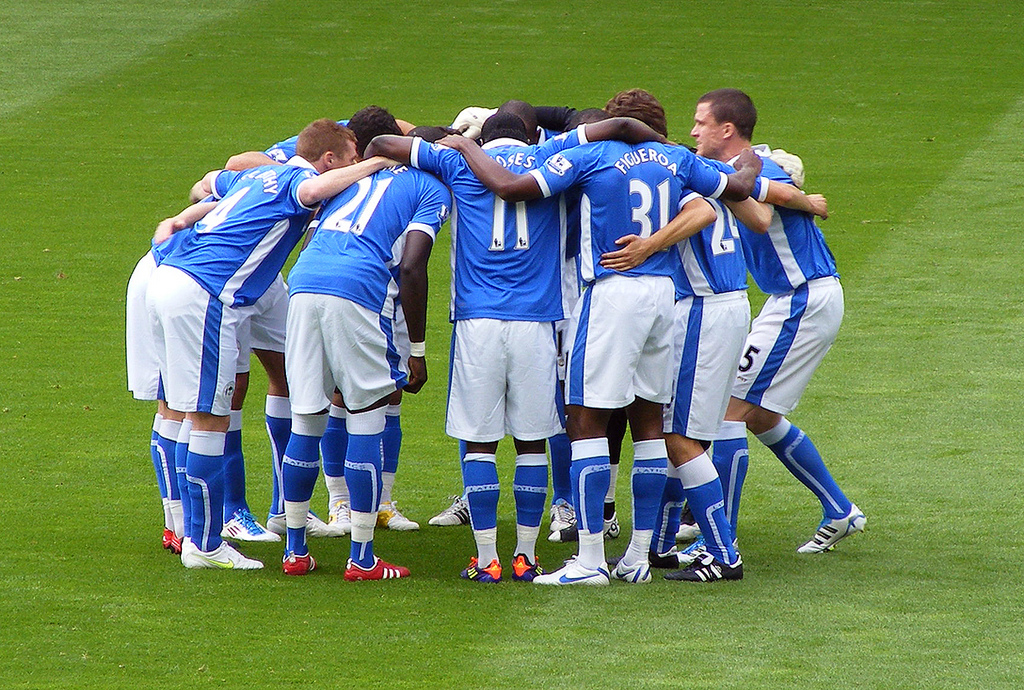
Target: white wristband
{"x":417,"y":349}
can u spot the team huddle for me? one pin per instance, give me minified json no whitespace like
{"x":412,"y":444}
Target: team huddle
{"x":599,"y":277}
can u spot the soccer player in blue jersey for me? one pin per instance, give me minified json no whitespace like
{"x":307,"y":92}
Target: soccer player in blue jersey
{"x":367,"y":259}
{"x":712,"y":316}
{"x":789,"y":337}
{"x":621,"y":342}
{"x":143,"y":369}
{"x":228,"y":261}
{"x":507,"y":294}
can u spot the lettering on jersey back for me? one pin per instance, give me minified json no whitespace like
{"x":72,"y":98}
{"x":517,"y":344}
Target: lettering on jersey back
{"x":268,"y":178}
{"x":644,"y":155}
{"x":520,"y":159}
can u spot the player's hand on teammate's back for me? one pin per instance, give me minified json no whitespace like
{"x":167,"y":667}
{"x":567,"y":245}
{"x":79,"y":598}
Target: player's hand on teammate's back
{"x":635,"y":250}
{"x":417,"y":374}
{"x":820,"y":204}
{"x":454,"y":141}
{"x":747,"y":158}
{"x":166,"y":228}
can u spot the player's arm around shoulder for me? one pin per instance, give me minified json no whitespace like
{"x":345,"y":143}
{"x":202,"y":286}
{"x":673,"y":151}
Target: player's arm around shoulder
{"x":392,"y":146}
{"x":249,"y":159}
{"x":742,"y":183}
{"x":790,"y":196}
{"x":625,"y":129}
{"x":204,"y":187}
{"x":695,"y":215}
{"x":313,"y":190}
{"x":755,"y":215}
{"x":503,"y":182}
{"x":185,"y":219}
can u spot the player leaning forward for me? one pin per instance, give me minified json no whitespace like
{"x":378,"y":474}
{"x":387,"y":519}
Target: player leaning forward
{"x":621,"y":344}
{"x":228,"y":262}
{"x":367,"y":260}
{"x":789,"y":337}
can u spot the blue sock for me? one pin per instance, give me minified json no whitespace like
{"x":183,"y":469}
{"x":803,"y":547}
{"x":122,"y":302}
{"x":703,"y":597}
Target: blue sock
{"x":794,"y":448}
{"x":590,"y":474}
{"x":180,"y":460}
{"x":731,"y":457}
{"x":205,"y":469}
{"x":300,"y":468}
{"x":650,"y":459}
{"x":561,"y":461}
{"x":669,"y":512}
{"x":279,"y":429}
{"x":364,"y":462}
{"x":234,"y":468}
{"x":703,"y":492}
{"x":529,"y":487}
{"x":480,"y":479}
{"x":165,"y":450}
{"x":334,"y":446}
{"x":158,"y":462}
{"x":392,"y":440}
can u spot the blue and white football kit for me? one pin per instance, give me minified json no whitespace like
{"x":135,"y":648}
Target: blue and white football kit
{"x":506,"y":296}
{"x":712,"y":316}
{"x":341,"y":316}
{"x":143,"y":368}
{"x":228,"y":260}
{"x":621,"y":341}
{"x":787,"y":341}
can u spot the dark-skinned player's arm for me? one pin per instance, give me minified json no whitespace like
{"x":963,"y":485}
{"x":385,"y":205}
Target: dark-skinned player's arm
{"x":505,"y":183}
{"x":412,"y":292}
{"x":741,"y":183}
{"x":393,"y":146}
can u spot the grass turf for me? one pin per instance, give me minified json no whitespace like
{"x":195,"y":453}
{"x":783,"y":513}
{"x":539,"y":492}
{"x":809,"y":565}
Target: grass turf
{"x":907,"y":115}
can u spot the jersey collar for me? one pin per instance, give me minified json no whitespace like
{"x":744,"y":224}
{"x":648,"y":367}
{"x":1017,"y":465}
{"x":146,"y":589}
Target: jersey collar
{"x":503,"y":141}
{"x":300,"y":162}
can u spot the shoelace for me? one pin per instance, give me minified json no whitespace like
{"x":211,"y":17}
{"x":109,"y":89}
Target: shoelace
{"x":248,"y":520}
{"x":457,"y":506}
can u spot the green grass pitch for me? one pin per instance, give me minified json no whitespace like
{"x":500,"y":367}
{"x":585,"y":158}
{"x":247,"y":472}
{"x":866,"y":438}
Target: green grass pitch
{"x":908,"y":116}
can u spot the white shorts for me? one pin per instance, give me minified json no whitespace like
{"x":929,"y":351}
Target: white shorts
{"x":787,"y":342}
{"x":502,"y":381}
{"x":262,"y":325}
{"x":335,"y":343}
{"x":197,"y":343}
{"x":709,"y":337}
{"x":621,"y":343}
{"x":143,"y":361}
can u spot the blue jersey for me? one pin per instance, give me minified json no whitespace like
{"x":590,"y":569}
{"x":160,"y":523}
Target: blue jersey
{"x":164,"y":249}
{"x":283,"y":151}
{"x":360,"y":235}
{"x":711,"y":262}
{"x":237,"y":250}
{"x":792,"y":252}
{"x":167,"y":247}
{"x":506,"y":258}
{"x":626,"y":189}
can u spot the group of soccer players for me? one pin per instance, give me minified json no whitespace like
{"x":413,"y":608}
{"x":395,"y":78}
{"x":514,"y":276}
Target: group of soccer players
{"x":598,"y":270}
